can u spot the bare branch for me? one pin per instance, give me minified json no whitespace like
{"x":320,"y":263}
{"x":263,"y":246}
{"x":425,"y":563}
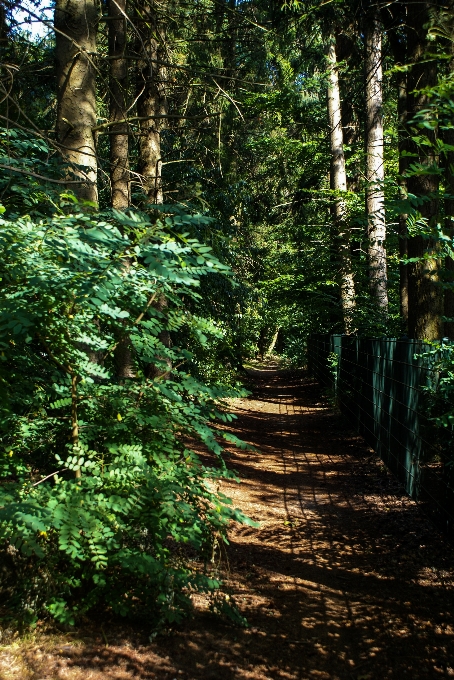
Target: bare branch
{"x":176,"y":116}
{"x":57,"y":472}
{"x":35,"y":174}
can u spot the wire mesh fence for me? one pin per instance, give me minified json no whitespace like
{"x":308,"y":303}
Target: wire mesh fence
{"x":387,"y":388}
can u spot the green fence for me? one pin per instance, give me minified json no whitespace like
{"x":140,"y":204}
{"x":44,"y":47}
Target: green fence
{"x":379,"y":386}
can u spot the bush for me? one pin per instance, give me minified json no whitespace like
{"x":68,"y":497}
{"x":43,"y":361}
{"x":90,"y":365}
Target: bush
{"x":102,"y":499}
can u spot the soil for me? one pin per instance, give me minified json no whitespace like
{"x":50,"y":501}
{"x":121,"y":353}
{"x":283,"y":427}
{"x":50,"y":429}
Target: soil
{"x":345,"y":578}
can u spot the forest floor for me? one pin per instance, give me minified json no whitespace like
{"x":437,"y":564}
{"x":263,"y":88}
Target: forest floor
{"x":345,"y":579}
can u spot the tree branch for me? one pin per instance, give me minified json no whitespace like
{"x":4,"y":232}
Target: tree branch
{"x":66,"y":369}
{"x":49,"y":476}
{"x":177,"y":116}
{"x":34,"y":174}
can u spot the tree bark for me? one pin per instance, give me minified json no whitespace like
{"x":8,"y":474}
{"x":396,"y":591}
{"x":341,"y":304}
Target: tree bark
{"x":394,"y":19}
{"x":151,"y":102}
{"x":273,"y":342}
{"x":425,"y":297}
{"x":119,"y":138}
{"x":403,"y":165}
{"x":375,"y":197}
{"x":339,"y":184}
{"x":4,"y":31}
{"x":449,"y":225}
{"x":76,"y":24}
{"x":161,"y":304}
{"x":448,"y":138}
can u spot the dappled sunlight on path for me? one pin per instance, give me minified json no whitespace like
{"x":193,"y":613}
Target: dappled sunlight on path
{"x":354,"y":574}
{"x":344,"y":578}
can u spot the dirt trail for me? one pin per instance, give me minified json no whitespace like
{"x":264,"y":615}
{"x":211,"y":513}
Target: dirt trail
{"x":344,"y":579}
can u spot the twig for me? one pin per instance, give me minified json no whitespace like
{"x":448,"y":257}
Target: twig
{"x":230,"y":99}
{"x":66,"y":369}
{"x":171,"y":370}
{"x":35,"y":174}
{"x":181,"y":160}
{"x":149,"y":303}
{"x":242,"y":16}
{"x":49,"y":476}
{"x":104,"y":636}
{"x":156,"y":117}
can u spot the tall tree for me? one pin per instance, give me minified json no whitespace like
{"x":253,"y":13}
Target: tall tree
{"x":425,"y":297}
{"x":76,"y":25}
{"x":394,"y":19}
{"x":375,"y":198}
{"x":403,"y":165}
{"x":339,"y":185}
{"x":118,"y":134}
{"x":447,"y":21}
{"x":449,"y":262}
{"x":152,"y":100}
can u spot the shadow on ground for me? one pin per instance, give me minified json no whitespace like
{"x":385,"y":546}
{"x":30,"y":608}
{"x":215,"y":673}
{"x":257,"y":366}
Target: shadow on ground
{"x":344,"y":579}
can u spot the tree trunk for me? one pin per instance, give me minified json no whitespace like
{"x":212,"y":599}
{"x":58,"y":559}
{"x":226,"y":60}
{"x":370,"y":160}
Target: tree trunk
{"x":394,"y":18}
{"x":449,"y":262}
{"x":76,"y":24}
{"x":4,"y":31}
{"x":119,"y":139}
{"x":375,"y":198}
{"x":403,"y":165}
{"x":339,"y":184}
{"x":273,"y":342}
{"x":119,"y":147}
{"x":425,"y":298}
{"x":151,"y":102}
{"x":448,"y":138}
{"x":161,"y":304}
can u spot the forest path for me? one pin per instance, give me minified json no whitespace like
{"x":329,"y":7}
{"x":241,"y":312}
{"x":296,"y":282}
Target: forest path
{"x":344,"y":579}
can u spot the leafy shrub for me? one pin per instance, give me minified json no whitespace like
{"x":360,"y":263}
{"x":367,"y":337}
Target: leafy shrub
{"x":438,"y":399}
{"x":102,"y":499}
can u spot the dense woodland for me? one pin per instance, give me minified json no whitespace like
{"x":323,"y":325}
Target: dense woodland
{"x":186,"y":186}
